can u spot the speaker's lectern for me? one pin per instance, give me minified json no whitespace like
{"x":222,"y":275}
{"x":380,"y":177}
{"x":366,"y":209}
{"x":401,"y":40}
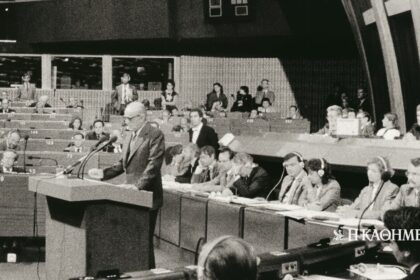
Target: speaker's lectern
{"x":93,"y":226}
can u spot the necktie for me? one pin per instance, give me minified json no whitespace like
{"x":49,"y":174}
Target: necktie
{"x":374,"y":191}
{"x":286,"y":191}
{"x":133,"y":140}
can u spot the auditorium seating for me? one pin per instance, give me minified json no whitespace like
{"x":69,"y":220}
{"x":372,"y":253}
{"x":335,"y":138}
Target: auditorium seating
{"x":47,"y":124}
{"x":36,"y":117}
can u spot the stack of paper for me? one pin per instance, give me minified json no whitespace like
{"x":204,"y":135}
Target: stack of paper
{"x":279,"y":206}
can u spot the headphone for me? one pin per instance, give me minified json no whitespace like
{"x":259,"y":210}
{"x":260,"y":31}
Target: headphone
{"x":321,"y":172}
{"x":387,"y":174}
{"x":300,"y":159}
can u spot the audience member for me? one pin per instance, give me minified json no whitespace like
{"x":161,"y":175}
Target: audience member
{"x":253,"y":115}
{"x":325,"y":193}
{"x":242,"y":102}
{"x":98,"y":131}
{"x":186,"y":164}
{"x":227,"y":258}
{"x":157,"y":103}
{"x":351,"y":114}
{"x":366,"y":128}
{"x":165,"y":121}
{"x":146,"y":103}
{"x":169,"y":96}
{"x":41,"y":104}
{"x":409,"y":194}
{"x":76,"y":124}
{"x":294,"y":113}
{"x":414,"y":132}
{"x":11,"y":142}
{"x":5,"y":103}
{"x":76,"y":146}
{"x":207,"y":168}
{"x":216,"y":100}
{"x":224,"y":165}
{"x":405,"y":250}
{"x":8,"y":163}
{"x":363,"y":102}
{"x":266,"y":107}
{"x":296,"y":181}
{"x":175,"y":112}
{"x":173,"y":159}
{"x":201,"y":134}
{"x":124,"y":94}
{"x":375,"y":197}
{"x":335,"y":97}
{"x":4,"y":96}
{"x":264,"y":93}
{"x":251,"y":180}
{"x":344,"y":101}
{"x":333,"y":113}
{"x":390,"y":130}
{"x":26,"y":90}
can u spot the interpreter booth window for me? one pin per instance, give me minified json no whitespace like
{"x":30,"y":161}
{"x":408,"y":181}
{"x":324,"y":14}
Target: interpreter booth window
{"x":145,"y":73}
{"x":76,"y":72}
{"x":12,"y":68}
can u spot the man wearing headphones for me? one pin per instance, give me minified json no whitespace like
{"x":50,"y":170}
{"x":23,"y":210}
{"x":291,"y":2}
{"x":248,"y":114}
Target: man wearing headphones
{"x":296,"y":180}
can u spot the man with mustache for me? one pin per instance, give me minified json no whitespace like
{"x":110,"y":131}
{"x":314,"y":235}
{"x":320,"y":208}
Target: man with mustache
{"x":409,"y":194}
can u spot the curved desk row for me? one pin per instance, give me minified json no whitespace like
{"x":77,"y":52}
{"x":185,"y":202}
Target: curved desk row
{"x":36,"y":117}
{"x":345,"y":152}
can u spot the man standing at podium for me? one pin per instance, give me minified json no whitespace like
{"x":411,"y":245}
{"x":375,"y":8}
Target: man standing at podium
{"x":142,"y":159}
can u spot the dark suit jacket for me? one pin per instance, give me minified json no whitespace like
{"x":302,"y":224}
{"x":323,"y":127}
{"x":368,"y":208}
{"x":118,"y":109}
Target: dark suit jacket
{"x":186,"y":177}
{"x":363,"y":105}
{"x":8,"y":111}
{"x":142,"y":165}
{"x":415,"y":275}
{"x":207,"y":137}
{"x":92,"y":135}
{"x":256,"y":185}
{"x":116,"y":97}
{"x":212,"y":98}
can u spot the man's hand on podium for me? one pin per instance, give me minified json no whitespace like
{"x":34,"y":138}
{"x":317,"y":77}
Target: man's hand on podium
{"x":96,"y":173}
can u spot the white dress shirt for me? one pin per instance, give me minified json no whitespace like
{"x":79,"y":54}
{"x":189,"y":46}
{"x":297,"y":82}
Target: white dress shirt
{"x":196,"y":132}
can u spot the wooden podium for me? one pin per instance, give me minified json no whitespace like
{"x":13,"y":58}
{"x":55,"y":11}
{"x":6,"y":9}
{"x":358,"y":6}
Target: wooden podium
{"x":93,"y":226}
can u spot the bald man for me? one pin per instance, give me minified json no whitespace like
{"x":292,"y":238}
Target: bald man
{"x":142,"y":157}
{"x":42,"y":102}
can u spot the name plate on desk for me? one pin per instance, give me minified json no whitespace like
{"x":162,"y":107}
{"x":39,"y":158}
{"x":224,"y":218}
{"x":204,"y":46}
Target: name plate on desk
{"x":348,"y":127}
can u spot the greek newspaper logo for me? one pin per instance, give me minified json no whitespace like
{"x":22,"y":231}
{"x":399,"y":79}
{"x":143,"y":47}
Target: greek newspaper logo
{"x":383,"y":235}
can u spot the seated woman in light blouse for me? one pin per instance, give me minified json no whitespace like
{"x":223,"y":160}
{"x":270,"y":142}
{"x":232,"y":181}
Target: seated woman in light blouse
{"x":390,"y":130}
{"x":76,"y":124}
{"x":325,"y":192}
{"x":374,"y":198}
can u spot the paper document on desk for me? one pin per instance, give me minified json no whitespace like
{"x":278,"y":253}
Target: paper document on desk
{"x":354,"y":222}
{"x":302,"y":214}
{"x":279,"y":206}
{"x":246,"y":201}
{"x":373,"y":272}
{"x":318,"y":277}
{"x":176,"y":186}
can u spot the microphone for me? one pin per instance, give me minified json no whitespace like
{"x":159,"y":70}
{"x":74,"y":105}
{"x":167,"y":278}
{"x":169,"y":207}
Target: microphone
{"x":100,"y":147}
{"x":100,"y":141}
{"x":70,"y":168}
{"x":43,"y":158}
{"x":24,"y":152}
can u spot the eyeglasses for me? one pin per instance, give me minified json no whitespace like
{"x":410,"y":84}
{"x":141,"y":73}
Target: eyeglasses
{"x":130,"y":118}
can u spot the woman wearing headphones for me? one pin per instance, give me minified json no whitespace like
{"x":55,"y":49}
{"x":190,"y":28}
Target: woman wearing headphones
{"x":325,"y":192}
{"x":373,"y":198}
{"x":227,"y":258}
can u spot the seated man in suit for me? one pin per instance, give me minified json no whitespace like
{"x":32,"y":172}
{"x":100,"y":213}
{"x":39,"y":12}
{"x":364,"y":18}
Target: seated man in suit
{"x":264,"y":92}
{"x":218,"y":183}
{"x":5,"y":107}
{"x":207,"y":168}
{"x":325,"y":192}
{"x":405,"y":250}
{"x":333,"y":113}
{"x":367,"y":128}
{"x":77,"y":144}
{"x":98,"y":131}
{"x":186,"y":163}
{"x":375,"y":197}
{"x":296,"y":181}
{"x":26,"y":90}
{"x":251,"y":180}
{"x":8,"y":161}
{"x":201,"y":134}
{"x":409,"y":194}
{"x":123,"y":95}
{"x":41,"y":104}
{"x":11,"y":142}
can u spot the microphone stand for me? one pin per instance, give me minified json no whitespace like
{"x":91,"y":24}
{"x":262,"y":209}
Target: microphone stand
{"x":98,"y":149}
{"x":367,"y":207}
{"x":24,"y":154}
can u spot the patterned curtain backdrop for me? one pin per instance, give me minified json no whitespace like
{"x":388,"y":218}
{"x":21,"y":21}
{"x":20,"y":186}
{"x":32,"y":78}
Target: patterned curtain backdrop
{"x":303,"y":82}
